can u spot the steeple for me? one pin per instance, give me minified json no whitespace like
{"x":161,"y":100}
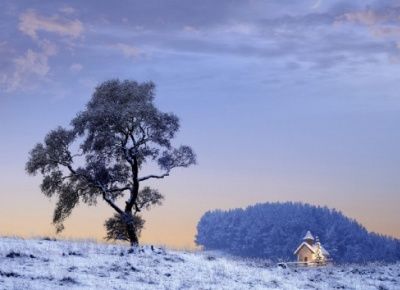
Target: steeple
{"x":309,"y":238}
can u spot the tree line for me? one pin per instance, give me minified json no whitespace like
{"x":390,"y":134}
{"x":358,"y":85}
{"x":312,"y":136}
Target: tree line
{"x":274,"y":231}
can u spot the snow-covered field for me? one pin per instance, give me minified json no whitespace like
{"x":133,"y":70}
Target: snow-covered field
{"x":43,"y":264}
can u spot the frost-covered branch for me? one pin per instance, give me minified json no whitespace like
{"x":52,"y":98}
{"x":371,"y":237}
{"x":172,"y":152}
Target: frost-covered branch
{"x":153,"y":176}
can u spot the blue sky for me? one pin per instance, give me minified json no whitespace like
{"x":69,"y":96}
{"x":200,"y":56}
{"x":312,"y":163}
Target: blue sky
{"x":282,"y":100}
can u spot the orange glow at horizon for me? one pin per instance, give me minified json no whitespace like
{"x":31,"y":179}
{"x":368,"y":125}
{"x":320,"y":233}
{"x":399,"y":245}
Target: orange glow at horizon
{"x":174,"y":223}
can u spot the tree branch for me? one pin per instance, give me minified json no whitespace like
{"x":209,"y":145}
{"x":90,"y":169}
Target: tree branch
{"x":111,"y":203}
{"x":153,"y":176}
{"x":117,"y":189}
{"x":103,"y":190}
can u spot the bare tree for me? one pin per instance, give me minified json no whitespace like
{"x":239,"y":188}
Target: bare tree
{"x":104,"y":151}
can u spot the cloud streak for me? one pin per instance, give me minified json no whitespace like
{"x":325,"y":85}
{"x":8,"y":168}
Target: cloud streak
{"x":127,"y":50}
{"x":341,"y":34}
{"x":30,"y":65}
{"x":381,"y":23}
{"x":32,"y":23}
{"x":76,"y":67}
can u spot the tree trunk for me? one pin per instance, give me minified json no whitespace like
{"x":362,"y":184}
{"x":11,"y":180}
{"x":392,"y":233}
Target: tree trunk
{"x":130,"y":227}
{"x":133,"y":239}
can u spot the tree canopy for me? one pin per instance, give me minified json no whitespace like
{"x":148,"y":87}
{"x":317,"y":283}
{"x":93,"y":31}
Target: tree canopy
{"x":103,"y":152}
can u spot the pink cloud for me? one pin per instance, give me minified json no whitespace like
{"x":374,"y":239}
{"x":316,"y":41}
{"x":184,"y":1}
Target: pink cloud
{"x":127,"y":50}
{"x":31,"y":23}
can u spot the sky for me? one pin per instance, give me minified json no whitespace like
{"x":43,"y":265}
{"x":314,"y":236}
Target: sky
{"x":281,"y":101}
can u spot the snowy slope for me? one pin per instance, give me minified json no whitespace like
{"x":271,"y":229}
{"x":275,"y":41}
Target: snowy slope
{"x":42,"y":264}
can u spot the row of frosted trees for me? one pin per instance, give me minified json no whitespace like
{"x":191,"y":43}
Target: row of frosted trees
{"x":274,"y":230}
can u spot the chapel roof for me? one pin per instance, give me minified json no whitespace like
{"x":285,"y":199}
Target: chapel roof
{"x":308,"y":236}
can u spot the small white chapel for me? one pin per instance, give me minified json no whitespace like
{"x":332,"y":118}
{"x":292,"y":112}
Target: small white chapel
{"x":311,"y":252}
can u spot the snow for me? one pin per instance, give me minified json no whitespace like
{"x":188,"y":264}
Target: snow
{"x":305,"y":244}
{"x":324,"y":251}
{"x":308,"y":236}
{"x":46,"y":264}
{"x":313,"y":248}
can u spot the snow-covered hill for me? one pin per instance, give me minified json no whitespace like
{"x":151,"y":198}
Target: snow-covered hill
{"x":45,"y":264}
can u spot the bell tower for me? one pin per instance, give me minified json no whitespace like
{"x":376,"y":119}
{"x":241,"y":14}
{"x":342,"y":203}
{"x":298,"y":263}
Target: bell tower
{"x":309,"y":238}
